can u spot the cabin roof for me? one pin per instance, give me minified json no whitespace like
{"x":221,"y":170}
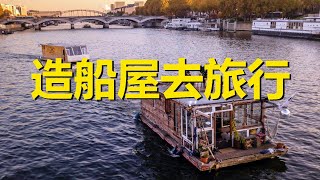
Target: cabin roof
{"x":62,"y":45}
{"x":279,"y":20}
{"x":316,"y":17}
{"x":203,"y":101}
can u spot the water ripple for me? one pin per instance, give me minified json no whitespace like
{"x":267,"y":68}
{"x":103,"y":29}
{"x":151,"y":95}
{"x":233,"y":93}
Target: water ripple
{"x":100,"y":140}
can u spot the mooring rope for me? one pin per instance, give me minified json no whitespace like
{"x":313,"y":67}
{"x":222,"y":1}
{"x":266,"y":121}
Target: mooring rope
{"x":275,"y":130}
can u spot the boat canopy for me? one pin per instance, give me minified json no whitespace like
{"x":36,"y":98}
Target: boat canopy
{"x":70,"y":53}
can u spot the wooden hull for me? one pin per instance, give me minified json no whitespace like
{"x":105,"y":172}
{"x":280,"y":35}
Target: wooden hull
{"x":223,"y":159}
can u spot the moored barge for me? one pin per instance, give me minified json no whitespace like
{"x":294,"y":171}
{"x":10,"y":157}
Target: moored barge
{"x":308,"y":28}
{"x":213,"y":134}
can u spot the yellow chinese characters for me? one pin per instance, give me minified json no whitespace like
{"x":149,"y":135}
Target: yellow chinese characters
{"x":279,"y":77}
{"x":84,"y":80}
{"x":214,"y":81}
{"x":141,"y":83}
{"x":255,"y":80}
{"x":57,"y":80}
{"x":183,"y":77}
{"x":100,"y":83}
{"x":138,"y":79}
{"x":227,"y":76}
{"x":92,"y":83}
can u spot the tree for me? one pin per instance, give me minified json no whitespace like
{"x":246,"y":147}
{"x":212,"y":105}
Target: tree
{"x":239,"y":9}
{"x":165,"y":6}
{"x":153,"y":7}
{"x":139,"y":10}
{"x":1,"y":11}
{"x":6,"y":13}
{"x":178,"y":8}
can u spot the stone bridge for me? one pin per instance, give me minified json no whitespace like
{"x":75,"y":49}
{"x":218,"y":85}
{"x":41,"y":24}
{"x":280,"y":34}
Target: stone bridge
{"x":138,"y":21}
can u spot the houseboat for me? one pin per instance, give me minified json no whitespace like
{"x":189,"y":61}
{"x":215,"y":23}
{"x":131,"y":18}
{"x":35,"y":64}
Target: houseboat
{"x":194,"y":26}
{"x":208,"y":27}
{"x":213,"y":134}
{"x":309,"y":27}
{"x":69,"y":53}
{"x":178,"y":24}
{"x":5,"y":30}
{"x":211,"y":25}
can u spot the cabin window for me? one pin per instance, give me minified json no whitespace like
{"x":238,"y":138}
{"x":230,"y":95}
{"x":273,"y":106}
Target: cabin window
{"x":189,"y":129}
{"x":247,"y":114}
{"x":168,"y":106}
{"x":176,"y":109}
{"x":225,"y":120}
{"x":240,"y":115}
{"x":77,"y":50}
{"x":69,"y":51}
{"x":243,"y":133}
{"x":186,"y":123}
{"x":291,"y":25}
{"x":153,"y":103}
{"x":84,"y":50}
{"x":183,"y":121}
{"x":253,"y":114}
{"x":225,"y":115}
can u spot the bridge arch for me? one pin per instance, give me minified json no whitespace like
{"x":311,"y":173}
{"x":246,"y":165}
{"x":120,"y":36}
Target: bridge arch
{"x":154,"y":18}
{"x":18,"y":21}
{"x":90,"y":18}
{"x":53,"y":19}
{"x":123,"y":18}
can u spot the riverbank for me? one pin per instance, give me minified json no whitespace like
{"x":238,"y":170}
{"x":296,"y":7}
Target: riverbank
{"x":10,"y":29}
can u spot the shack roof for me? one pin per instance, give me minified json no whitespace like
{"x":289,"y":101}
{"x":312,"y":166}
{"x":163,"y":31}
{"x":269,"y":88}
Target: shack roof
{"x":203,"y":101}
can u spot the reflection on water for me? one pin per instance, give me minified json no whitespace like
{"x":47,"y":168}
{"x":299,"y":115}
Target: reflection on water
{"x":88,"y":140}
{"x":80,"y":26}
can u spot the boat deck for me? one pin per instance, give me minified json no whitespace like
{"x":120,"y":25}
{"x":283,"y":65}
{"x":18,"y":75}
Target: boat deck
{"x":230,"y":153}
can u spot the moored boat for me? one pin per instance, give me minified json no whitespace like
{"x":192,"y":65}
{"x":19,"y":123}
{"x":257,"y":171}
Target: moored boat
{"x":308,"y":28}
{"x":178,"y":24}
{"x":213,"y":134}
{"x":6,"y":31}
{"x":194,"y":26}
{"x":68,"y":53}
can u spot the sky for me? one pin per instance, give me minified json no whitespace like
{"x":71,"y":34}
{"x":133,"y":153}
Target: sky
{"x":54,"y":5}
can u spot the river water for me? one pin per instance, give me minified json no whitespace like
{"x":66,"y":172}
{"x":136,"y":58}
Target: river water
{"x":46,"y":139}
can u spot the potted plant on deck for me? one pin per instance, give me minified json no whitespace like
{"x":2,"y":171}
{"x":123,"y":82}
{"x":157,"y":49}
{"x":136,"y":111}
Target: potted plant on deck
{"x":243,"y":143}
{"x":204,"y":156}
{"x":204,"y":152}
{"x":237,"y":137}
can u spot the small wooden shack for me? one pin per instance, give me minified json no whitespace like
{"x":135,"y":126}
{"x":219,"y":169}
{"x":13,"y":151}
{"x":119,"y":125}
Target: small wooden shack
{"x":69,"y":53}
{"x":212,"y":134}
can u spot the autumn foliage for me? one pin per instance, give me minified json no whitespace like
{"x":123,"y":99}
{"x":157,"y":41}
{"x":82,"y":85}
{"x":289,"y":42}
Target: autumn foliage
{"x":240,"y":9}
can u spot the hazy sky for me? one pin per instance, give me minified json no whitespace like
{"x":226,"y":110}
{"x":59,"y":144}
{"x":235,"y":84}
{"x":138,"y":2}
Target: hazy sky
{"x":64,"y":4}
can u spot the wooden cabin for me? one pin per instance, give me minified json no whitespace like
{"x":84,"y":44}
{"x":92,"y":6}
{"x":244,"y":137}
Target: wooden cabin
{"x":212,"y":134}
{"x":69,"y":53}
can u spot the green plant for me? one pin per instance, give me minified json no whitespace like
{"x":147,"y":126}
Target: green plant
{"x":242,"y":140}
{"x":204,"y":154}
{"x":237,"y":137}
